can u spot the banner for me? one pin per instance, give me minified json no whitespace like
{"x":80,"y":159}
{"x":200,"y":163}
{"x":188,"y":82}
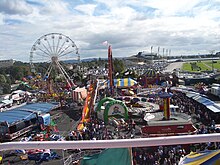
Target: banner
{"x":111,"y":156}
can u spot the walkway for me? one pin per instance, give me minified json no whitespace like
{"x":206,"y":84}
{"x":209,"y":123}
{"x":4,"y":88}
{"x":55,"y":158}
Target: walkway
{"x":173,"y":66}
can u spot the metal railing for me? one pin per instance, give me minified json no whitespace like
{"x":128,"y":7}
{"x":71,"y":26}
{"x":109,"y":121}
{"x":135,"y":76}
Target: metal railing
{"x":119,"y":143}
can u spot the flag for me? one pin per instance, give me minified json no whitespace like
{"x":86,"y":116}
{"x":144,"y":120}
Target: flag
{"x":105,"y":43}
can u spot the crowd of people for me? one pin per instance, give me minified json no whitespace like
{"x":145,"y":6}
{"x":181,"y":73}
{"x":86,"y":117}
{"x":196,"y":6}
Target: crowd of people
{"x":95,"y":130}
{"x":205,"y":123}
{"x":200,"y":114}
{"x":98,"y":130}
{"x":168,"y":155}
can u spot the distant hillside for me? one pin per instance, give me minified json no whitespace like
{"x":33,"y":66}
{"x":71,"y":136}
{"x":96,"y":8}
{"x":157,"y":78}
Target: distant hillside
{"x":83,"y":60}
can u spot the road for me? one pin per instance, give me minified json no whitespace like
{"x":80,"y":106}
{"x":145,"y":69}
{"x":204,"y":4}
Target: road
{"x":173,"y":66}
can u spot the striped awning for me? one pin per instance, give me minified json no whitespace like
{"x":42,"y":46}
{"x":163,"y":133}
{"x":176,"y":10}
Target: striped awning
{"x":206,"y":157}
{"x":126,"y":82}
{"x":150,"y":73}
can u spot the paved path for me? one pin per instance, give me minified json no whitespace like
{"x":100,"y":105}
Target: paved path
{"x":173,"y":66}
{"x":207,"y":65}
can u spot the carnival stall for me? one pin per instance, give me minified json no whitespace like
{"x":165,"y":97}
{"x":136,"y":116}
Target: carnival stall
{"x":150,"y":77}
{"x":79,"y":94}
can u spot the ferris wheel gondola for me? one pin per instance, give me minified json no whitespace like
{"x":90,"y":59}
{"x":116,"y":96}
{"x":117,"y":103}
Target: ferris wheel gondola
{"x":53,"y":48}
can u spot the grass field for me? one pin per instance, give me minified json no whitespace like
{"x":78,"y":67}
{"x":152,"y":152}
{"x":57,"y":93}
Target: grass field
{"x":215,"y":65}
{"x":201,"y":66}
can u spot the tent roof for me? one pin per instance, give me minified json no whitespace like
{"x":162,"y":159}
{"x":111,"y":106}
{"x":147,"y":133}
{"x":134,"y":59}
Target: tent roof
{"x":25,"y":112}
{"x":202,"y":100}
{"x":124,"y":82}
{"x":12,"y":116}
{"x":191,"y":94}
{"x":205,"y":101}
{"x":213,"y":108}
{"x":41,"y":107}
{"x":150,"y":73}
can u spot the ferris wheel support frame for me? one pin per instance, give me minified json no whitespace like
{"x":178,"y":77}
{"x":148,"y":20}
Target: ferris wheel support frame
{"x":60,"y":46}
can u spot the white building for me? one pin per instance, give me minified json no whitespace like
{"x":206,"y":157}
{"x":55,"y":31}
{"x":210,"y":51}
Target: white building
{"x":215,"y":89}
{"x":6,"y":63}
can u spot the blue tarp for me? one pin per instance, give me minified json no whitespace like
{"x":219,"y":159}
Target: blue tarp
{"x":12,"y":116}
{"x":25,"y":112}
{"x":41,"y":107}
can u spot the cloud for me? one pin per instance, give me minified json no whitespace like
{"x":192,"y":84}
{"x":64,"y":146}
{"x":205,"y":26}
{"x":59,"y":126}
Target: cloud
{"x":86,"y":9}
{"x":185,"y":27}
{"x":55,"y":8}
{"x":19,"y":7}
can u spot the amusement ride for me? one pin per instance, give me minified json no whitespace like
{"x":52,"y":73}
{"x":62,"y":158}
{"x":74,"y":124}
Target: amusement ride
{"x":53,"y":48}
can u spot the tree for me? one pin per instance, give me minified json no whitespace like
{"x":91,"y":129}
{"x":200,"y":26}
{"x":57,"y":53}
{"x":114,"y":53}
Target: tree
{"x":3,"y":80}
{"x":118,"y":66}
{"x":6,"y":88}
{"x":16,"y":73}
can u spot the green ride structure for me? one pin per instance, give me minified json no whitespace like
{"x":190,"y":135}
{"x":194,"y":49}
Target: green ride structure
{"x":109,"y":107}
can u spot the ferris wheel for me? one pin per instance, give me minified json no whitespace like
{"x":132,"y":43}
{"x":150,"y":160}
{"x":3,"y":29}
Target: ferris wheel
{"x":53,"y":48}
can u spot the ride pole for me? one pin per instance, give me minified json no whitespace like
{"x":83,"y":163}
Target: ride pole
{"x":110,"y":69}
{"x":166,"y":104}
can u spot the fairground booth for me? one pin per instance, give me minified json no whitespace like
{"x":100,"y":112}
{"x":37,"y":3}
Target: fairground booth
{"x":150,"y":77}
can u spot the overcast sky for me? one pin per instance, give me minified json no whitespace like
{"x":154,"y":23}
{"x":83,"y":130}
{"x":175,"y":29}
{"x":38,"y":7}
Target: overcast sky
{"x":182,"y":26}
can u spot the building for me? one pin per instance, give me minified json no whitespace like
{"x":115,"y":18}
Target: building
{"x":147,"y":55}
{"x":6,"y":63}
{"x":215,"y":89}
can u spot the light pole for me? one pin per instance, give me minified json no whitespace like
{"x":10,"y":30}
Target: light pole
{"x":212,"y":52}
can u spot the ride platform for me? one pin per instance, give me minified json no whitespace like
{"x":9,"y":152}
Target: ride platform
{"x":156,"y":125}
